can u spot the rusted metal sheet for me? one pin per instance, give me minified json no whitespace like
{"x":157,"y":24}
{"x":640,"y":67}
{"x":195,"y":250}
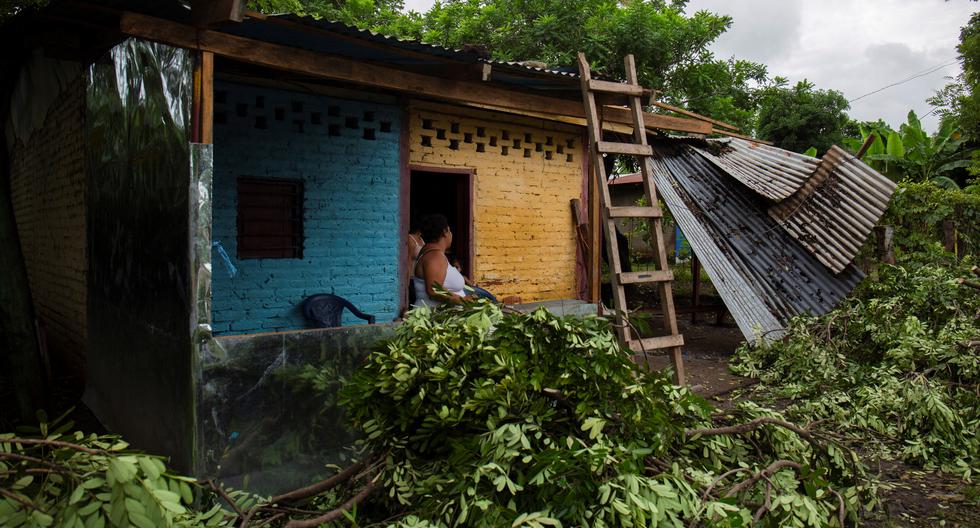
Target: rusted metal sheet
{"x":770,"y":171}
{"x":764,"y":275}
{"x":833,"y":213}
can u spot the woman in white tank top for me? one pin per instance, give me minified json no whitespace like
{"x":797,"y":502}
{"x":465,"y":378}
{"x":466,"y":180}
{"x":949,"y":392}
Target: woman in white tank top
{"x":432,"y":268}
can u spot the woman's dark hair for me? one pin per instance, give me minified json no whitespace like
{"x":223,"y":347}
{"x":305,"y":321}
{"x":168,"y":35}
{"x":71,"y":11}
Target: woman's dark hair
{"x":432,"y":227}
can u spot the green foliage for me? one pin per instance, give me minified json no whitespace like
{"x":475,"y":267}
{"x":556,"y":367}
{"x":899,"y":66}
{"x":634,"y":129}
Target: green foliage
{"x":54,"y":478}
{"x":917,"y":211}
{"x":893,"y":368}
{"x":801,"y":117}
{"x":492,"y":419}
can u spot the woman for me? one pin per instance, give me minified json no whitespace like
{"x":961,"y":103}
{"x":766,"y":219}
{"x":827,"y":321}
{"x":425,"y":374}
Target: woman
{"x":432,"y":268}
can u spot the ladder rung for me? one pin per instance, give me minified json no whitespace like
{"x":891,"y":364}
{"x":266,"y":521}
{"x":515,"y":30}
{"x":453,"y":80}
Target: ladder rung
{"x":641,"y":277}
{"x":616,"y":88}
{"x":635,"y":212}
{"x":611,"y":147}
{"x":655,"y":343}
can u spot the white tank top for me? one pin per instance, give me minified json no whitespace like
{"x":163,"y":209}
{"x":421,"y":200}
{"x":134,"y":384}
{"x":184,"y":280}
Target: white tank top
{"x":454,"y":283}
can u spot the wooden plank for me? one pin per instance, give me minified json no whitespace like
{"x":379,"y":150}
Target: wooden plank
{"x":635,"y":212}
{"x":656,"y":343}
{"x":210,"y":13}
{"x":617,"y":88}
{"x":207,"y":97}
{"x":337,"y":68}
{"x":695,"y":115}
{"x":645,"y":277}
{"x":611,"y":147}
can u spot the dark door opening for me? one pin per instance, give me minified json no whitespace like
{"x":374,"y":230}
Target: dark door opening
{"x":449,"y":194}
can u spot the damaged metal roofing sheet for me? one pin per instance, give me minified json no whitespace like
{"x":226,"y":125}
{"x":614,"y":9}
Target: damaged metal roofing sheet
{"x":770,"y":171}
{"x":833,"y":213}
{"x":761,"y":272}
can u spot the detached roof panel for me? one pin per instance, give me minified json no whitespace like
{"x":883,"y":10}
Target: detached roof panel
{"x":833,"y":214}
{"x":770,"y":276}
{"x":770,"y":171}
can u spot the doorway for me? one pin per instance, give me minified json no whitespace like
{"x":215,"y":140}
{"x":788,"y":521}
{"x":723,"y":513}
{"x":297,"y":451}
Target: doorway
{"x":449,"y":193}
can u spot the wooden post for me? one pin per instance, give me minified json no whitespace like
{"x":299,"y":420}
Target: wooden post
{"x":949,"y":236}
{"x":884,"y":236}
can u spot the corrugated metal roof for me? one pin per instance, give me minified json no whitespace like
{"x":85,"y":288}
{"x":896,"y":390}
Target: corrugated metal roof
{"x":770,"y":171}
{"x":833,"y":213}
{"x":761,"y":272}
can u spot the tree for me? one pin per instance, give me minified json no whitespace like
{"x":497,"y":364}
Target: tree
{"x":801,"y":117}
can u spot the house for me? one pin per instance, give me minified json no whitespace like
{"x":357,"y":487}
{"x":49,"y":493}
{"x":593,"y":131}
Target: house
{"x":182,"y":179}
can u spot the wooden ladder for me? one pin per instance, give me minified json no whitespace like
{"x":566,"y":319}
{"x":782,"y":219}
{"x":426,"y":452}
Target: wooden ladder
{"x":663,"y":276}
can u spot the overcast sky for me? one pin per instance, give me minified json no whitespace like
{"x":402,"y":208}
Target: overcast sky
{"x":854,"y":47}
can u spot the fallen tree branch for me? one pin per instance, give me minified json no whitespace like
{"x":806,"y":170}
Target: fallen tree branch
{"x":749,"y":426}
{"x":27,"y":503}
{"x":224,"y":495}
{"x":323,"y":485}
{"x":773,"y":468}
{"x":53,"y":443}
{"x":339,"y":511}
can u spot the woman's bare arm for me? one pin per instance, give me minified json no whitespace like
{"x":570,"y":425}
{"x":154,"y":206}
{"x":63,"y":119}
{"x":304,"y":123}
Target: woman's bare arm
{"x":434,"y":268}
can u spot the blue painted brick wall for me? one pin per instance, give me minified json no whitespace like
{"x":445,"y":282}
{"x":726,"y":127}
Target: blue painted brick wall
{"x":351,"y":206}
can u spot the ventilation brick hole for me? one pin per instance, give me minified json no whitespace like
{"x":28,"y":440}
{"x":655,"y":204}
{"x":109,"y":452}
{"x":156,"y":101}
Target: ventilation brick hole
{"x":261,"y":122}
{"x":297,"y":106}
{"x":220,"y":96}
{"x":493,"y":141}
{"x":570,"y":143}
{"x":504,"y":135}
{"x":369,"y":133}
{"x":333,"y":130}
{"x":548,"y":140}
{"x":569,"y":158}
{"x":316,"y":118}
{"x":350,"y":122}
{"x":427,"y":124}
{"x":441,"y":134}
{"x":368,"y":115}
{"x":454,"y":128}
{"x":538,"y":147}
{"x":241,"y":110}
{"x":468,"y":137}
{"x":259,"y":101}
{"x":298,"y":126}
{"x":517,"y":143}
{"x":560,"y":149}
{"x":333,"y":111}
{"x":527,"y":138}
{"x":453,"y":144}
{"x":527,"y":153}
{"x":548,"y":155}
{"x":426,"y":141}
{"x":386,"y":126}
{"x":504,"y":151}
{"x":280,"y":114}
{"x":481,"y":132}
{"x":220,"y":118}
{"x":480,"y":147}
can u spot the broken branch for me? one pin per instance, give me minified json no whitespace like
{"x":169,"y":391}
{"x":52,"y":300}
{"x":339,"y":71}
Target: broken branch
{"x":323,"y":485}
{"x":337,"y":512}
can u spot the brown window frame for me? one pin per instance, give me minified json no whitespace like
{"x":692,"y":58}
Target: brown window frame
{"x":251,"y":192}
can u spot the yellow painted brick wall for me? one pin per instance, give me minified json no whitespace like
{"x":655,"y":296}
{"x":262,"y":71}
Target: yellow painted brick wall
{"x":48,"y":194}
{"x":526,"y":172}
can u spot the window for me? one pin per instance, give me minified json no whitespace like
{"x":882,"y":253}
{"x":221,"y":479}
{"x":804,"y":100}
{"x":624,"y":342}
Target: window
{"x":270,"y":218}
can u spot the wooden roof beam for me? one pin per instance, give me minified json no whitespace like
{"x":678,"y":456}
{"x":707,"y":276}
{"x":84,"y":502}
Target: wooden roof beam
{"x":277,"y":56}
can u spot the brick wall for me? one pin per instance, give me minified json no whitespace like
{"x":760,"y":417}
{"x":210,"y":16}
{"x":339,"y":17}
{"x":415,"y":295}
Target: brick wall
{"x":48,"y":188}
{"x":526,"y":171}
{"x":347,"y":154}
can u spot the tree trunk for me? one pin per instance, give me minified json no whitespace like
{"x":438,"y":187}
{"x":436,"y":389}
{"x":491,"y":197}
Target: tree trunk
{"x":18,"y":335}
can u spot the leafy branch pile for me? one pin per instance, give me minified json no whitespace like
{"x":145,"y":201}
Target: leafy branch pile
{"x":473,"y":417}
{"x":896,"y":367}
{"x":480,"y":418}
